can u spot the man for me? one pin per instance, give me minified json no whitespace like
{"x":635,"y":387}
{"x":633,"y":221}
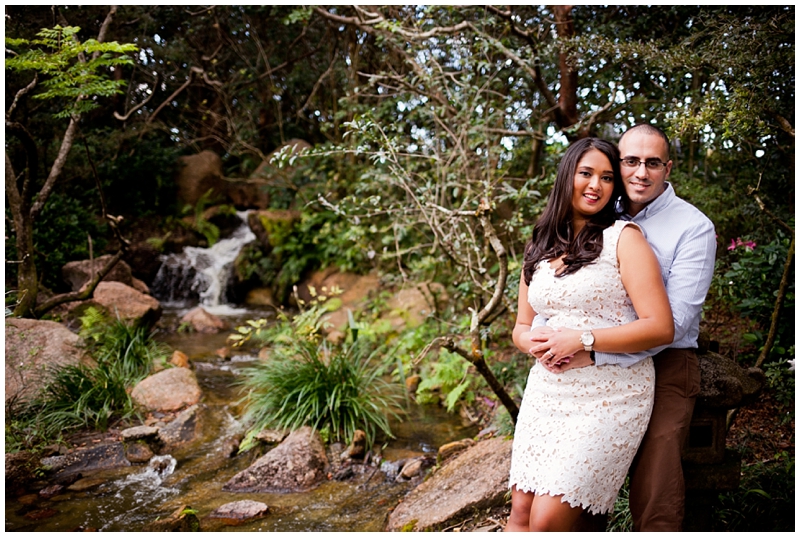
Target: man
{"x":684,"y":242}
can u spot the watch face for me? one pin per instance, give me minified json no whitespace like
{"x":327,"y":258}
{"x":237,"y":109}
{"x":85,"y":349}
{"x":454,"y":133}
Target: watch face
{"x":587,"y":338}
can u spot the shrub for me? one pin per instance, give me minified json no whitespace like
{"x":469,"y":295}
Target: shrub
{"x":764,"y":500}
{"x":332,"y":389}
{"x":79,"y":396}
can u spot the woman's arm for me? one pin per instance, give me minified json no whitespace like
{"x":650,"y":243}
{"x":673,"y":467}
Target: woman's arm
{"x":522,"y":329}
{"x":641,"y":277}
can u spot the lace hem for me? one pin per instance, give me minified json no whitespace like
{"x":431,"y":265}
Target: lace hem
{"x":565,"y":498}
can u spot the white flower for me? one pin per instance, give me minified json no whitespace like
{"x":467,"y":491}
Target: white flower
{"x":791,"y":365}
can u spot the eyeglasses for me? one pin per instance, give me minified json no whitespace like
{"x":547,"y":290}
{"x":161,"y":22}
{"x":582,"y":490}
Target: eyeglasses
{"x":651,"y":163}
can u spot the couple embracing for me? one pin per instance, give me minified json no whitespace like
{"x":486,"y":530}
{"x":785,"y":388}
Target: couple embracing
{"x":610,"y":300}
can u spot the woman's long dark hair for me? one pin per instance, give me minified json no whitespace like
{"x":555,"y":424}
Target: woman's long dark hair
{"x":552,"y":236}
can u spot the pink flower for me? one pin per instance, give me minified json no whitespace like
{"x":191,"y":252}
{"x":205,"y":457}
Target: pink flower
{"x":750,"y":245}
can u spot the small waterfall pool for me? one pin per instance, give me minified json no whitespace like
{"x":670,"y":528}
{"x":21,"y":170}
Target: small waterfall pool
{"x":202,"y":274}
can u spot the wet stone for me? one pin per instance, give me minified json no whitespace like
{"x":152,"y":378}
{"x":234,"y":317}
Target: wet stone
{"x":235,"y":513}
{"x":86,"y":483}
{"x":50,"y":491}
{"x":40,"y":514}
{"x":140,"y":432}
{"x":138,"y":452}
{"x":28,"y":499}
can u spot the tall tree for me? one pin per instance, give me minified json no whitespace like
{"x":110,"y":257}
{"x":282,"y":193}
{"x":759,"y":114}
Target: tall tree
{"x":69,"y":70}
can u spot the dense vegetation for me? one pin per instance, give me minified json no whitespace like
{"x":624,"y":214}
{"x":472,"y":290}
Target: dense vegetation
{"x":435,"y":132}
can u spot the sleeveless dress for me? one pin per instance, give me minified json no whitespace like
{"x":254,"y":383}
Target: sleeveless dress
{"x":578,"y":431}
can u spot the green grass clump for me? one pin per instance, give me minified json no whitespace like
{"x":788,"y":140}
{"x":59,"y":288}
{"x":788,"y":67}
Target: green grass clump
{"x":81,"y":396}
{"x":764,"y":500}
{"x":333,"y":389}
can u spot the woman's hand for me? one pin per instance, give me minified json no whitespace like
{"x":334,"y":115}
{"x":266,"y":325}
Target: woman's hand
{"x":556,"y":346}
{"x":581,"y":359}
{"x":536,"y":335}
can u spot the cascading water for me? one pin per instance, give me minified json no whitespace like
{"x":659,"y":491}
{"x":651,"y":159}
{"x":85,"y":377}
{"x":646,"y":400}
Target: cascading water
{"x":202,"y":273}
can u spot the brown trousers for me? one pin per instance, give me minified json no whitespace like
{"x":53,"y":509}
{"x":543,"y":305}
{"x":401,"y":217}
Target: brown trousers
{"x":657,"y":491}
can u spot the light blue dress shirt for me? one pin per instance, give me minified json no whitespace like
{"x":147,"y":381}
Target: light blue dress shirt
{"x":685,"y":244}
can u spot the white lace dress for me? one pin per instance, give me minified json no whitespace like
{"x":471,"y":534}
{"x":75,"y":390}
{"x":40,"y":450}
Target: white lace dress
{"x":577,"y":431}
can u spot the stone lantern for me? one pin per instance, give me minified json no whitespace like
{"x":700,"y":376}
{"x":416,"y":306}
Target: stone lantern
{"x":708,"y":467}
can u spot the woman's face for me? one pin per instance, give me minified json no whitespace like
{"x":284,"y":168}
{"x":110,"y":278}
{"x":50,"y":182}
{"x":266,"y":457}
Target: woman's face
{"x":593,"y":185}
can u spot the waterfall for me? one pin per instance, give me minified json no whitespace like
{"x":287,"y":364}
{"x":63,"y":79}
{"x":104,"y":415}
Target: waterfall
{"x":202,"y":273}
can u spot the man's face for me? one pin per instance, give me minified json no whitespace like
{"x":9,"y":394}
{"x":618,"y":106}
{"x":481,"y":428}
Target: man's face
{"x":642,"y":184}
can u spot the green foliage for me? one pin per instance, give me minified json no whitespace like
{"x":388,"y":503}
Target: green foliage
{"x":307,"y":381}
{"x":749,"y":287}
{"x":81,"y":396}
{"x":61,"y":236}
{"x":765,"y":498}
{"x":323,"y":386}
{"x":199,"y":221}
{"x":450,"y":378}
{"x":780,"y":380}
{"x":620,"y":518}
{"x":70,"y":66}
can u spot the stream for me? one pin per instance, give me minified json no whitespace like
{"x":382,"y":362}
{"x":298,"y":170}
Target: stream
{"x":129,"y":498}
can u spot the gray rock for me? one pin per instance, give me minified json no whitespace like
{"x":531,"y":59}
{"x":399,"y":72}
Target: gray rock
{"x":101,"y":457}
{"x":33,"y":350}
{"x":168,"y":390}
{"x":182,"y":429}
{"x":140,"y":432}
{"x":237,"y":512}
{"x":77,"y":273}
{"x":457,"y":489}
{"x":298,"y":464}
{"x":138,"y":452}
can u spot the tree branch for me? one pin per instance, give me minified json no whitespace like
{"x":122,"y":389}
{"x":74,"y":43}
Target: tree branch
{"x":776,"y":311}
{"x":138,"y":106}
{"x":85,"y":291}
{"x":20,"y":93}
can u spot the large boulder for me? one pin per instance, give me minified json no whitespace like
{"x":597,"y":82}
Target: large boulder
{"x":298,"y":464}
{"x":204,"y":322}
{"x":90,"y":459}
{"x":168,"y":390}
{"x":410,"y":307}
{"x":199,"y":174}
{"x":126,"y":303}
{"x":35,"y":348}
{"x":77,"y":273}
{"x":347,"y":290}
{"x":457,"y":489}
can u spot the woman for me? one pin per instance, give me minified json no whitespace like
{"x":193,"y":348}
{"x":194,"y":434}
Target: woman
{"x":597,"y":282}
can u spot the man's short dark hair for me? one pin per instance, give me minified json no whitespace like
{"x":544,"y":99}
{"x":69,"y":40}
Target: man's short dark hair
{"x":646,"y":128}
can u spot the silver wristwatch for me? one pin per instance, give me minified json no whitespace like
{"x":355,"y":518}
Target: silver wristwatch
{"x":587,"y":340}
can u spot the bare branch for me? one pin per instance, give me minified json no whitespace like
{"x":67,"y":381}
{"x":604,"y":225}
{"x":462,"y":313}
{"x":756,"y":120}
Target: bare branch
{"x":101,"y":35}
{"x":85,"y":291}
{"x":138,"y":106}
{"x":20,"y":94}
{"x":58,"y":166}
{"x":171,"y":97}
